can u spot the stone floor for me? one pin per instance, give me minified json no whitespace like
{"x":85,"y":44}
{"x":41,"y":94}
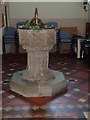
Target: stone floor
{"x":69,"y":105}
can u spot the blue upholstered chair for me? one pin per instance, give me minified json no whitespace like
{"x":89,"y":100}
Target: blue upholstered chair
{"x":9,"y":37}
{"x":65,"y":37}
{"x":55,"y":25}
{"x":19,"y":24}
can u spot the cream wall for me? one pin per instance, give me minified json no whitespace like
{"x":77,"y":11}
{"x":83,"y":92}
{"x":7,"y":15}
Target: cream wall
{"x":70,"y":14}
{"x":46,"y":10}
{"x":89,"y":13}
{"x":65,"y":13}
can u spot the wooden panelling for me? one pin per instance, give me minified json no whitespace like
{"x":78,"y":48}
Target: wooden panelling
{"x":87,"y":30}
{"x":72,"y":30}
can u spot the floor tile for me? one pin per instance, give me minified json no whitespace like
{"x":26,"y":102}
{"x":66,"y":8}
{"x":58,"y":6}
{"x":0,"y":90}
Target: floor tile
{"x":71,"y":104}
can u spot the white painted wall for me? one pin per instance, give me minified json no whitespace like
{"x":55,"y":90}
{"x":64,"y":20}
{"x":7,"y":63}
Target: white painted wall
{"x":46,"y":10}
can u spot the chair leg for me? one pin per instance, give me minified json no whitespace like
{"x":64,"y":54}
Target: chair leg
{"x":71,"y":49}
{"x":4,"y":50}
{"x":16,"y":45}
{"x":57,"y":47}
{"x":17,"y":49}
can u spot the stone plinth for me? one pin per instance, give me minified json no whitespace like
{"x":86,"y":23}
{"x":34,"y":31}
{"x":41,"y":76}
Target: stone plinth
{"x":37,"y":79}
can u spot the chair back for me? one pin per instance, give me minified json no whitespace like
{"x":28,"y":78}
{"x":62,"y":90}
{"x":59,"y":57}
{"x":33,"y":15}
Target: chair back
{"x":55,"y":24}
{"x":19,"y":24}
{"x":65,"y":35}
{"x":9,"y":31}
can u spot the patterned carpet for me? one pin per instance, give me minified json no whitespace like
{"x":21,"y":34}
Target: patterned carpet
{"x":69,"y":105}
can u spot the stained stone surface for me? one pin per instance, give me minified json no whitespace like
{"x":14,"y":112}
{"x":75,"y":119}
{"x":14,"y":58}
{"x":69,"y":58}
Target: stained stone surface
{"x":37,"y":45}
{"x":38,"y":88}
{"x":38,"y":79}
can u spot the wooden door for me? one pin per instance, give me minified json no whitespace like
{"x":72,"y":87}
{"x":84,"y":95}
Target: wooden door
{"x":88,"y":30}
